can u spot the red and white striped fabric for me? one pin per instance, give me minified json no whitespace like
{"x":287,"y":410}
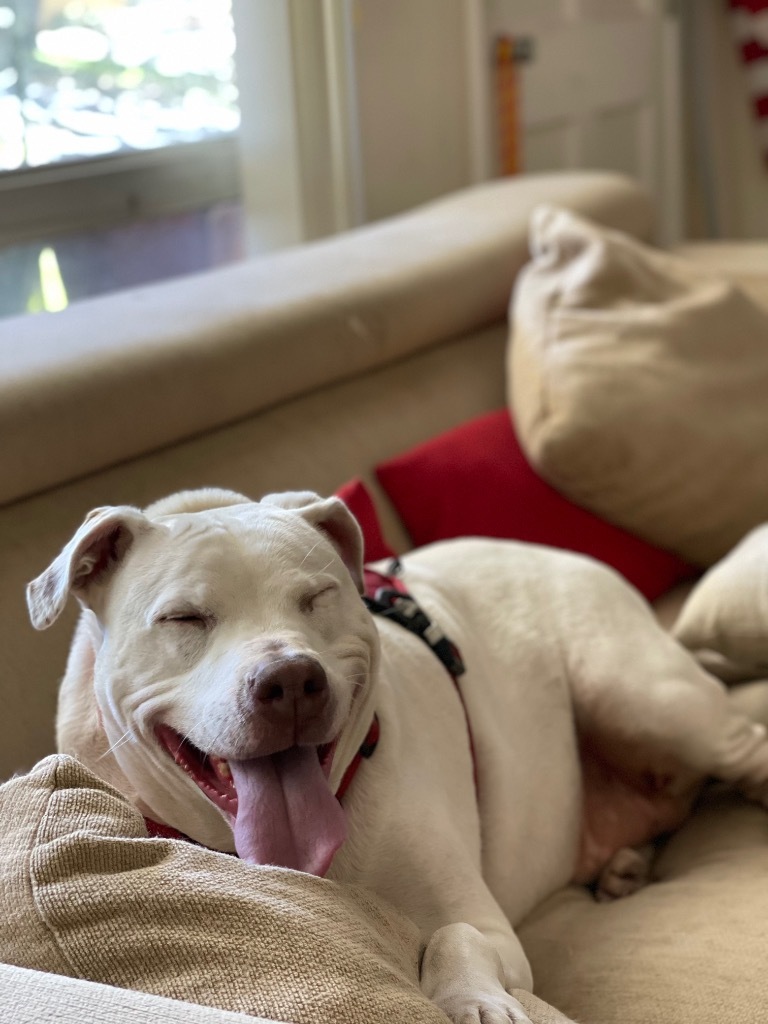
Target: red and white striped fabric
{"x":750,"y":26}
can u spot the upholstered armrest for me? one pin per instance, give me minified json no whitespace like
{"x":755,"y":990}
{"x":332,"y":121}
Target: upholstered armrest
{"x":32,"y":997}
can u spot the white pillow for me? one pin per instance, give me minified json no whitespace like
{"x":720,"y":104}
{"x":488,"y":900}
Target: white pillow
{"x":639,"y":386}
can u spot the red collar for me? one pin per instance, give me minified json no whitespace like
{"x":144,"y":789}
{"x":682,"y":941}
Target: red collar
{"x":367,"y":747}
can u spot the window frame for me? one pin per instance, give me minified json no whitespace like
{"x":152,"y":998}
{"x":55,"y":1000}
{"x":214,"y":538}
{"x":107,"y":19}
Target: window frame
{"x":95,"y":193}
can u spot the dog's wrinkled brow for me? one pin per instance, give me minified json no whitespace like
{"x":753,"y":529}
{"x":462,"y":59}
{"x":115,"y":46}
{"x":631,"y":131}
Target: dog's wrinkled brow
{"x":191,"y":526}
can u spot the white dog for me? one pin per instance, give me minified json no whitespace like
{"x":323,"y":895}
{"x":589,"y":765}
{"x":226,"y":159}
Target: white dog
{"x":226,"y":672}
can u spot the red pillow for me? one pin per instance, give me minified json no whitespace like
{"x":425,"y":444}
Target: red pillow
{"x":474,"y":480}
{"x":358,"y":500}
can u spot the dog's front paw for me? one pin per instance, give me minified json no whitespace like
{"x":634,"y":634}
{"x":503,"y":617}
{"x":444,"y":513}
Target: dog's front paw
{"x":498,"y":1008}
{"x":462,"y":972}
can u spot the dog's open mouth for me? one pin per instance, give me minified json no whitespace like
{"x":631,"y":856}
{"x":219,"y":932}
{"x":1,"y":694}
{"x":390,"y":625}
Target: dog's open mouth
{"x":281,"y":807}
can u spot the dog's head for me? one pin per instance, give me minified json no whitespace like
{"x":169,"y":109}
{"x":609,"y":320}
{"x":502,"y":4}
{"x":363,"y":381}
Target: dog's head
{"x":235,"y":662}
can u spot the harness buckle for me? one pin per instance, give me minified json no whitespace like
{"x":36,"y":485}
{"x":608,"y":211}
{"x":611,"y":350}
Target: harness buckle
{"x":401,"y":608}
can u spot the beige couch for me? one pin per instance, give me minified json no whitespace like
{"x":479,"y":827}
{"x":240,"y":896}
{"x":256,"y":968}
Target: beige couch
{"x":303,"y":370}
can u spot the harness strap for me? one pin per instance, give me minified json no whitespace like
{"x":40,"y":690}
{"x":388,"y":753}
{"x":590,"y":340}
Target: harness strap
{"x":386,"y":595}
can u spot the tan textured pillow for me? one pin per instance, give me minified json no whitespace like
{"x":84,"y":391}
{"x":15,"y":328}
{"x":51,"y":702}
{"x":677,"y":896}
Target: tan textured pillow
{"x":85,"y":893}
{"x":638,"y":386}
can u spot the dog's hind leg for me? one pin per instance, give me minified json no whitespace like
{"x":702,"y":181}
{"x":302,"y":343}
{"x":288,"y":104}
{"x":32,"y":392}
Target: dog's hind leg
{"x":646,"y":707}
{"x":626,"y":872}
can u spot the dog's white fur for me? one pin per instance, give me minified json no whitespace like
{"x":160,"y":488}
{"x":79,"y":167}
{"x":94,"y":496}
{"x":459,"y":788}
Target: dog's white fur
{"x":557,"y":648}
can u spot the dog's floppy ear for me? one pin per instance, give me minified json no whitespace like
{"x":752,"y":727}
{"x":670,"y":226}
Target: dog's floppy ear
{"x":332,"y":517}
{"x":96,"y":548}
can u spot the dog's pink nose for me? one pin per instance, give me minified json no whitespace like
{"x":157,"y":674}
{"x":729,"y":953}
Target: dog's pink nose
{"x":296,"y":683}
{"x":286,"y":699}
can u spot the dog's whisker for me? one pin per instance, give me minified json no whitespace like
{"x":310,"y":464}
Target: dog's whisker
{"x":186,"y":738}
{"x":118,"y":743}
{"x":316,"y":544}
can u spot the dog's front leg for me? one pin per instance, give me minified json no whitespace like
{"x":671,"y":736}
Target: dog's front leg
{"x":463,"y":973}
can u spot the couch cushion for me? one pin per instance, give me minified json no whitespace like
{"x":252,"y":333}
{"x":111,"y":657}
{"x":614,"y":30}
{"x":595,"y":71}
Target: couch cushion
{"x":689,"y":949}
{"x":638,"y":386}
{"x":474,"y":480}
{"x":84,"y":892}
{"x":743,"y":261}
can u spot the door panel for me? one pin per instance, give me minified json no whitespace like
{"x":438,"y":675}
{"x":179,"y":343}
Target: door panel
{"x":601,"y":89}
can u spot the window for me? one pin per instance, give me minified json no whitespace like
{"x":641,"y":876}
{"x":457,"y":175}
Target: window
{"x":114,"y":111}
{"x":86,"y":78}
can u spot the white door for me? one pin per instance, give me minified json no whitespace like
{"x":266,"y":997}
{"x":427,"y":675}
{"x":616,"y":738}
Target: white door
{"x":601,"y":90}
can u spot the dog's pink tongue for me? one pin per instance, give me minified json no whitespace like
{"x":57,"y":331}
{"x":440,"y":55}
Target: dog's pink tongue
{"x":286,"y":812}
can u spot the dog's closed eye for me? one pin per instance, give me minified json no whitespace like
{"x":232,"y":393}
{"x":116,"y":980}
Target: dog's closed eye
{"x":309,"y":601}
{"x":185,"y":617}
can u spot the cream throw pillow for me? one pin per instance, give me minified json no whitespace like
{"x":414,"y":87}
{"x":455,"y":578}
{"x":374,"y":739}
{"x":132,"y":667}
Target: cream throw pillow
{"x":85,"y":893}
{"x":639,"y":386}
{"x":726,"y":614}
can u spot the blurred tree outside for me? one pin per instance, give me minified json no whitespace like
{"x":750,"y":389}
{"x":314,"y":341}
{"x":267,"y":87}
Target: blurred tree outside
{"x":82,"y":78}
